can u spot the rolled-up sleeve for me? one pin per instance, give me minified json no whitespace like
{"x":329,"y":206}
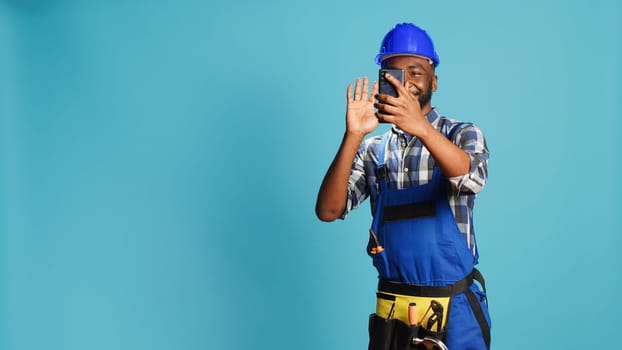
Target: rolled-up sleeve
{"x":471,"y":139}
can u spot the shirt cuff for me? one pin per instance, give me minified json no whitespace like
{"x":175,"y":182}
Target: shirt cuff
{"x":458,"y":181}
{"x":474,"y":180}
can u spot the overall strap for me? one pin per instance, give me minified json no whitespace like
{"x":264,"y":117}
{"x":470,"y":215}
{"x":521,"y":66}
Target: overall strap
{"x":382,"y":172}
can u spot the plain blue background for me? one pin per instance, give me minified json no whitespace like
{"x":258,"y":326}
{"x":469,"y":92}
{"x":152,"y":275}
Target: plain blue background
{"x":160,"y":162}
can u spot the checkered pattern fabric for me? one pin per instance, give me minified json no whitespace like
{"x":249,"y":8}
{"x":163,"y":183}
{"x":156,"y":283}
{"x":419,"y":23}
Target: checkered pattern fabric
{"x":410,"y":164}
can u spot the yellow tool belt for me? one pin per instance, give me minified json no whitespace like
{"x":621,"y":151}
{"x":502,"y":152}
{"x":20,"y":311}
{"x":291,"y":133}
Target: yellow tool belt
{"x":395,"y":306}
{"x":432,"y":303}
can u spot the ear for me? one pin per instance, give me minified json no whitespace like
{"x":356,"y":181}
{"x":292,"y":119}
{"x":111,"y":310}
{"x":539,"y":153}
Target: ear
{"x":434,"y":83}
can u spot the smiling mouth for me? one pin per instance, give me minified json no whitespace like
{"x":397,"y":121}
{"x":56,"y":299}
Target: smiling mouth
{"x":415,"y":92}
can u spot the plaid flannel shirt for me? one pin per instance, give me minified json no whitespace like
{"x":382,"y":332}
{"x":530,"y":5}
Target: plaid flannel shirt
{"x":410,"y":164}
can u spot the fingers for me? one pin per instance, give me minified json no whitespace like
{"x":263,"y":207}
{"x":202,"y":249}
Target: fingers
{"x":357,"y":90}
{"x":387,"y":100}
{"x":349,"y":93}
{"x":398,"y":84}
{"x":386,"y":112}
{"x":385,"y":109}
{"x":374,"y":92}
{"x":386,"y":118}
{"x":361,"y":90}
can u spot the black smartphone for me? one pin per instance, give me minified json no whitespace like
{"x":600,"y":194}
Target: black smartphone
{"x":385,"y":87}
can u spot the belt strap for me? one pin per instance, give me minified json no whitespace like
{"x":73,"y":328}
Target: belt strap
{"x":479,"y":316}
{"x":444,"y":291}
{"x":431,"y":291}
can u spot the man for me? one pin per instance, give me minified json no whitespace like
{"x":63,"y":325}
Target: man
{"x":422,"y":177}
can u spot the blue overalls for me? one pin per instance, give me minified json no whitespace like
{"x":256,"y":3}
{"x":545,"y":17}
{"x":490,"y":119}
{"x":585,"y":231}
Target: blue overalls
{"x":424,"y":247}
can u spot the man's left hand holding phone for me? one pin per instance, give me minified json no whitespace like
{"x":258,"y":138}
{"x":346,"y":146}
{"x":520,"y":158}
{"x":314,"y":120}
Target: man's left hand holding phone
{"x":386,"y":86}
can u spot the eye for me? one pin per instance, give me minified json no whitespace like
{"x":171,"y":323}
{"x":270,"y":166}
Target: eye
{"x":415,"y":73}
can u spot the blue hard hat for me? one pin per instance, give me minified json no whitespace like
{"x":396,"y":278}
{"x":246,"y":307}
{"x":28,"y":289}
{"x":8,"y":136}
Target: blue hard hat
{"x":407,"y":39}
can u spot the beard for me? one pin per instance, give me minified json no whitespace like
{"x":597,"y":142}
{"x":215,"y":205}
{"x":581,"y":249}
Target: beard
{"x":425,"y":96}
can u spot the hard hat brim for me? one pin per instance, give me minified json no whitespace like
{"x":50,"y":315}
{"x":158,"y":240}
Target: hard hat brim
{"x":382,"y":57}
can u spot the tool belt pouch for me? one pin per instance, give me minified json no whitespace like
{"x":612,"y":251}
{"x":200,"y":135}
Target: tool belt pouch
{"x":381,"y":332}
{"x":389,"y":334}
{"x":430,"y":329}
{"x":423,"y":333}
{"x":431,"y":313}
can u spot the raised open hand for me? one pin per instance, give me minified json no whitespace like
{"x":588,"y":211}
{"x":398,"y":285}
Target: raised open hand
{"x":360,"y":114}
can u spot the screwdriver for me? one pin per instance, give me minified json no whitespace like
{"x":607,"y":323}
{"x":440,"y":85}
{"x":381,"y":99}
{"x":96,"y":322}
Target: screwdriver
{"x":378,"y":248}
{"x":412,"y":314}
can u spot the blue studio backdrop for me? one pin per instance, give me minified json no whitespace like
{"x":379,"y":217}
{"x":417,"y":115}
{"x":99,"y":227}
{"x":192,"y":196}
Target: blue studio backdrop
{"x":159,"y":163}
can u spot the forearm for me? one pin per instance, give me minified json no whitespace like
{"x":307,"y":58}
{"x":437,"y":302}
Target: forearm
{"x":452,"y":160}
{"x":333,"y":192}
